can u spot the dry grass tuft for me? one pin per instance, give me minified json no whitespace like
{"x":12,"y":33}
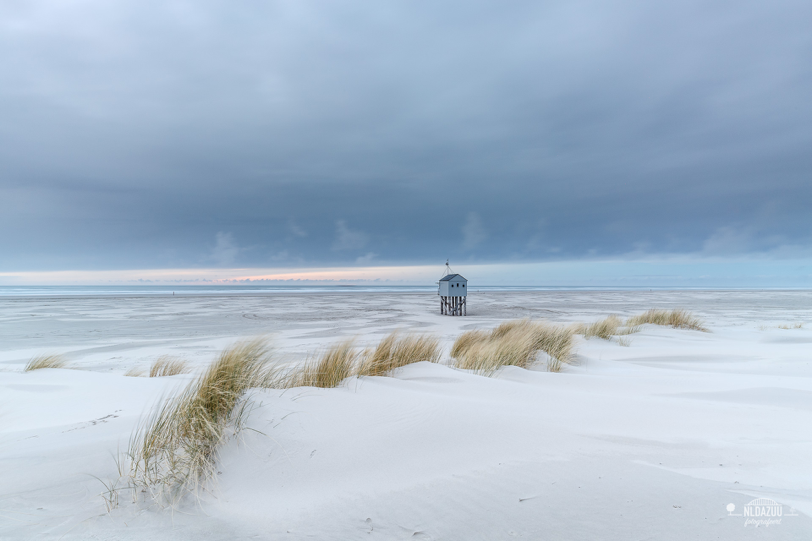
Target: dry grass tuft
{"x":791,"y":326}
{"x":607,"y":328}
{"x":343,"y":360}
{"x":515,"y":343}
{"x":623,"y":341}
{"x":604,"y":328}
{"x":557,"y":343}
{"x":679,"y":319}
{"x":468,"y":340}
{"x":511,"y":327}
{"x":394,"y":352}
{"x":329,"y":370}
{"x":134,"y":372}
{"x":168,"y":366}
{"x":174,"y":451}
{"x":45,"y":361}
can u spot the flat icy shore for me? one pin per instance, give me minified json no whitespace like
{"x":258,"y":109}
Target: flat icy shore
{"x":652,"y":440}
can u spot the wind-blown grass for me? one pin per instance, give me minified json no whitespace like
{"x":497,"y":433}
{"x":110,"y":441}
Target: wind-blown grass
{"x":45,"y":361}
{"x":515,"y":343}
{"x":791,"y":326}
{"x":174,"y":451}
{"x":343,"y":360}
{"x":328,"y":370}
{"x":168,"y":366}
{"x":679,"y":319}
{"x":467,"y":340}
{"x":607,"y":328}
{"x":604,"y":328}
{"x":394,"y":352}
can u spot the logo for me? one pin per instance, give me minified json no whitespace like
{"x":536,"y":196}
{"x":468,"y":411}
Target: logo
{"x":761,"y":512}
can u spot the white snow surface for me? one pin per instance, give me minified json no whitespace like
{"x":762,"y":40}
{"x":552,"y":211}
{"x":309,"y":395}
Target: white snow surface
{"x":648,"y":441}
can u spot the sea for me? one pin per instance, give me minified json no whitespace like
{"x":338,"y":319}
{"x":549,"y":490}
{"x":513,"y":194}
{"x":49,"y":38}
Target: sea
{"x":258,"y":290}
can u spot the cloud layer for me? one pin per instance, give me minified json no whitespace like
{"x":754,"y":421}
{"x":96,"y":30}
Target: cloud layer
{"x":182,"y":134}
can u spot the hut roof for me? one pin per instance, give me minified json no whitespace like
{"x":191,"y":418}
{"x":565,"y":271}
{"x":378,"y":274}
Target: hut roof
{"x":449,"y":277}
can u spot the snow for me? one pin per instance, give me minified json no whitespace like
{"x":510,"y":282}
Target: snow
{"x":649,"y":441}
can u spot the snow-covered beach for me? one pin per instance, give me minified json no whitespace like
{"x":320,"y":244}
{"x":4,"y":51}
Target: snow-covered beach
{"x":652,"y":440}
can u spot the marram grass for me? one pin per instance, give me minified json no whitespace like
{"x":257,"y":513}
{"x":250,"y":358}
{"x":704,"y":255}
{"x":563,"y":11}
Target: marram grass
{"x":515,"y":343}
{"x":329,"y":369}
{"x":788,"y":326}
{"x":45,"y":361}
{"x":679,"y":319}
{"x":168,"y":366}
{"x":397,"y":351}
{"x":343,"y":360}
{"x":174,"y":450}
{"x":612,"y":326}
{"x":604,"y":328}
{"x":607,"y":328}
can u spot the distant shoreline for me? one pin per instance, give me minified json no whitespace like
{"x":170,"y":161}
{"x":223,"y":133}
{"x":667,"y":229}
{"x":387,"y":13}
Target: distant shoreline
{"x":18,"y":292}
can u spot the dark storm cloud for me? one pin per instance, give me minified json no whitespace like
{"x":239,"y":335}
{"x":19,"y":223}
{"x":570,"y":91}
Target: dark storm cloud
{"x":170,"y":134}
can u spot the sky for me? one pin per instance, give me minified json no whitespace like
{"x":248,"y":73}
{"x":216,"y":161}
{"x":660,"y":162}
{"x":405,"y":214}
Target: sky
{"x":589,"y":141}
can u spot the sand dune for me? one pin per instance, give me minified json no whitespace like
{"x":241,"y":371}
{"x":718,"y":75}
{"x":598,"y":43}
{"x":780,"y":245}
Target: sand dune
{"x":652,"y":440}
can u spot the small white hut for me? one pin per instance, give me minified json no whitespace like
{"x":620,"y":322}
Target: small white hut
{"x":453,"y":293}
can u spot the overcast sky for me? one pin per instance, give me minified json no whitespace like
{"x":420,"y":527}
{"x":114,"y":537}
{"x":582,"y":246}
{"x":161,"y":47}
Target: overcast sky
{"x":170,"y":134}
